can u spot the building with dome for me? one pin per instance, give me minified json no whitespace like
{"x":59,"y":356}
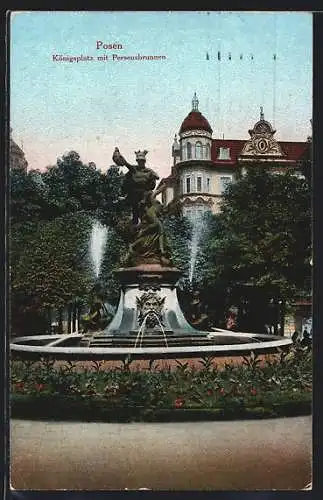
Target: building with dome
{"x":16,"y":155}
{"x":203,"y":166}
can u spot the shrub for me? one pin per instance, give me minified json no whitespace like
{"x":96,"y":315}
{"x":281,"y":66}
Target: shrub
{"x":263,"y":389}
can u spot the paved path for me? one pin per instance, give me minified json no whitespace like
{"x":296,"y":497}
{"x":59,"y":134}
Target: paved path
{"x":259,"y":454}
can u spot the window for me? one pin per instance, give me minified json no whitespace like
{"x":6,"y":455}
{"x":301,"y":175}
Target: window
{"x":198,"y":150}
{"x":207,"y":151}
{"x":189,"y":150}
{"x":181,"y":186}
{"x":225,"y":180}
{"x":199,"y":184}
{"x":193,"y":183}
{"x":224,"y":154}
{"x":188,"y":184}
{"x":208,"y":184}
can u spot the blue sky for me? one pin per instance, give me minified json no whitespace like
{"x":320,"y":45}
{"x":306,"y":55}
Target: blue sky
{"x":93,"y":106}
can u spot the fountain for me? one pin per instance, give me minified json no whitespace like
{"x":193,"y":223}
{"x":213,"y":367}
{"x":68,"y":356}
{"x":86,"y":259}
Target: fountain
{"x":148,"y":323}
{"x":97,"y":245}
{"x":199,"y":227}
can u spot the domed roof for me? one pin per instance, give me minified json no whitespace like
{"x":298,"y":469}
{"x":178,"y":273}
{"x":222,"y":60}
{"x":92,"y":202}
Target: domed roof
{"x":195,"y":119}
{"x":14,"y":148}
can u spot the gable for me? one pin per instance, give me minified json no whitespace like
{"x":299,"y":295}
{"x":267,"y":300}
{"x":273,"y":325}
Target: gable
{"x":262,"y":143}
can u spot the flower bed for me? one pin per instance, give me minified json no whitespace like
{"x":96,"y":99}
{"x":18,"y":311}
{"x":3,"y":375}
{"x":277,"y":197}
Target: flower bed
{"x":279,"y":386}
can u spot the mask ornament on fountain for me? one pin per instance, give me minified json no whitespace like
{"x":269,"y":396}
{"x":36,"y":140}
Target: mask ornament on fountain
{"x":150,"y":305}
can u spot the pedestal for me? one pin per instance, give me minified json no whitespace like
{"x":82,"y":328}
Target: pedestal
{"x":149,"y":295}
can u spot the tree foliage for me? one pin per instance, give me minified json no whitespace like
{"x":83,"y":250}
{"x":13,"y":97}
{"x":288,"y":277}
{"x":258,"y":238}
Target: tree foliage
{"x":51,"y":216}
{"x":264,"y":235}
{"x":53,"y":269}
{"x":28,"y":195}
{"x":178,"y":231}
{"x":114,"y":250}
{"x":72,"y":186}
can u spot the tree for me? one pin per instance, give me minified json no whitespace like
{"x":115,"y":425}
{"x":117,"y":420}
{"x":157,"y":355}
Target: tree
{"x":42,"y":206}
{"x":113,"y":206}
{"x":178,"y":232}
{"x":264,"y":238}
{"x":72,"y":186}
{"x":28,"y":197}
{"x":54,"y":269}
{"x":114,"y":250}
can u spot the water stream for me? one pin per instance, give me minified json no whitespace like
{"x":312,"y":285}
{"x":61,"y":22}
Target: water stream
{"x":97,"y":245}
{"x":140,"y":334}
{"x":199,"y":231}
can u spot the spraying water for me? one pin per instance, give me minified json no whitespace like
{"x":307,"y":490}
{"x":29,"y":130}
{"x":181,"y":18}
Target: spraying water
{"x":97,"y":245}
{"x":199,"y":227}
{"x":140,"y":335}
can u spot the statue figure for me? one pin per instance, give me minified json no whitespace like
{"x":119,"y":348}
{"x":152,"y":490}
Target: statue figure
{"x":150,"y":306}
{"x":150,"y":244}
{"x":198,"y":317}
{"x":139,"y":182}
{"x":98,"y":316}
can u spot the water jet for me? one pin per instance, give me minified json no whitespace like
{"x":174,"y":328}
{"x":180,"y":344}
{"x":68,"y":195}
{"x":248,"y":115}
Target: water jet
{"x":149,"y":322}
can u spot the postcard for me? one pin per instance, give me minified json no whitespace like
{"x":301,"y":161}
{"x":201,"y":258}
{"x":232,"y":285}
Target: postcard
{"x":160,"y":250}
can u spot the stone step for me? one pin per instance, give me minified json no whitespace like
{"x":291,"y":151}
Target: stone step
{"x":148,"y":339}
{"x":148,"y":342}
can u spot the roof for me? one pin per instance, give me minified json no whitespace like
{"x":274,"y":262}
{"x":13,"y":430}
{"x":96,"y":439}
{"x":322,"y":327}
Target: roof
{"x":195,"y":120}
{"x":235,"y":146}
{"x":14,"y":148}
{"x":294,"y":150}
{"x":166,"y":181}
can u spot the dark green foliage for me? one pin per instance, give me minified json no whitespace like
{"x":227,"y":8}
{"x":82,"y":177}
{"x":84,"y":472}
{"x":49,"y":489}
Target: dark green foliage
{"x":208,"y":227}
{"x":111,"y":209}
{"x":28,"y":197}
{"x":264,"y":235}
{"x":114,"y":250}
{"x":53,"y":269}
{"x":178,"y":232}
{"x":72,"y":186}
{"x":51,"y":216}
{"x":280,"y":385}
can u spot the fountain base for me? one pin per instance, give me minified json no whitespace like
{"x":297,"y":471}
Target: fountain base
{"x":148,"y":324}
{"x":76,"y":347}
{"x":148,"y":307}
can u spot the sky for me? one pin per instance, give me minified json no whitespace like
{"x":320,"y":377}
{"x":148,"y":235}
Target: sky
{"x":92,"y":106}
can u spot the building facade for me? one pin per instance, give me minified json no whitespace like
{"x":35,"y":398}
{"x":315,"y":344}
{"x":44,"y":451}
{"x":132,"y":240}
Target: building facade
{"x":16,"y":155}
{"x":203,"y":166}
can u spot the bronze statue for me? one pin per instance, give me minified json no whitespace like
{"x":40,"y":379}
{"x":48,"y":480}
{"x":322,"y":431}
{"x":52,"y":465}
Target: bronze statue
{"x":198,"y":317}
{"x":98,"y":316}
{"x":150,"y":245}
{"x":139,"y":182}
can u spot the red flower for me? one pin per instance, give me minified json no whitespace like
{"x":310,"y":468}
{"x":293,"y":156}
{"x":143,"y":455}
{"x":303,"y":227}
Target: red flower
{"x":39,"y":387}
{"x":222,"y":391}
{"x":19,"y":385}
{"x":253,"y":391}
{"x":209,"y":392}
{"x":179,"y":402}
